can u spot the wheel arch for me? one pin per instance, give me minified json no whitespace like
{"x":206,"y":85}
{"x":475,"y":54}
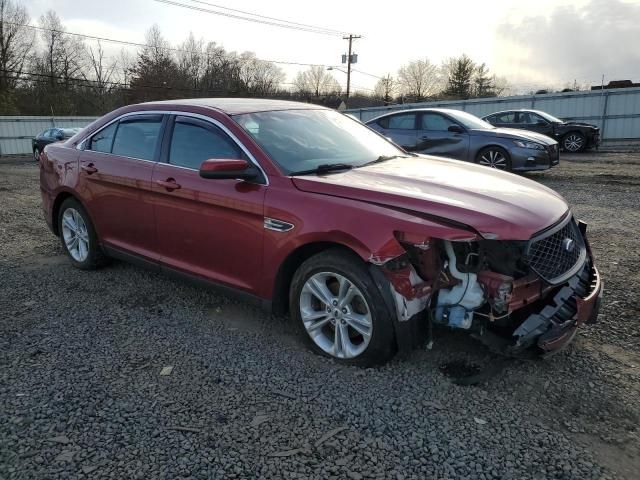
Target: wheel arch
{"x":55,"y":209}
{"x":284,"y":276}
{"x":489,"y":145}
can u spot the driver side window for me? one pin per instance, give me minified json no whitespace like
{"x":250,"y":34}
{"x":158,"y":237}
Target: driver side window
{"x":193,"y":142}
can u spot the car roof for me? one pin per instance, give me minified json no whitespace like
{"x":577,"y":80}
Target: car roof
{"x":515,"y":110}
{"x":236,"y":106}
{"x":409,"y":110}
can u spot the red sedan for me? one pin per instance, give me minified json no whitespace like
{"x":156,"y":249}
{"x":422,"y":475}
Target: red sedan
{"x":307,"y":211}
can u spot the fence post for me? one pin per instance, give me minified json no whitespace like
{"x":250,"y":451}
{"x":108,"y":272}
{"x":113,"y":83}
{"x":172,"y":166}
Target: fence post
{"x":603,"y":121}
{"x":533,"y":102}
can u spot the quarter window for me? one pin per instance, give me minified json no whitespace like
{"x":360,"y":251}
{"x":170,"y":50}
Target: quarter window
{"x":192,"y":144}
{"x":137,"y":138}
{"x":102,"y":141}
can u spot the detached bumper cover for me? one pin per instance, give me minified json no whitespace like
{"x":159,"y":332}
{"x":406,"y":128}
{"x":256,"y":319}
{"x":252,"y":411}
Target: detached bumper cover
{"x":587,"y":310}
{"x":577,"y":302}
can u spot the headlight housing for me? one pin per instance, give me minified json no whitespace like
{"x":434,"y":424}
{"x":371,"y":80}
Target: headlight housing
{"x":528,"y":144}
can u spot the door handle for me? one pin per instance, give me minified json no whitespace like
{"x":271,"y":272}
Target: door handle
{"x":424,"y":137}
{"x":89,"y":169}
{"x":170,"y":184}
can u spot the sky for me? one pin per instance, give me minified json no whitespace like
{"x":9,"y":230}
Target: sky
{"x":534,"y":44}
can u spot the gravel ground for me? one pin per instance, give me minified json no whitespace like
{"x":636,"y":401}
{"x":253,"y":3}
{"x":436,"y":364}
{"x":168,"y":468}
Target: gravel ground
{"x":82,"y":395}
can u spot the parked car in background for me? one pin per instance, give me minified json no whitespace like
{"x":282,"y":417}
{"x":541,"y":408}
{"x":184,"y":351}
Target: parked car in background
{"x":48,"y":136}
{"x":303,"y":209}
{"x":572,"y":136}
{"x":462,"y":136}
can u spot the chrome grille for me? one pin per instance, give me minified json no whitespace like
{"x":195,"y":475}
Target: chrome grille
{"x":557,"y":254}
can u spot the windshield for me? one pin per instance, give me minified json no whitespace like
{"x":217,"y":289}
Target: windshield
{"x":548,"y":117}
{"x":470,"y":121}
{"x":299,"y":140}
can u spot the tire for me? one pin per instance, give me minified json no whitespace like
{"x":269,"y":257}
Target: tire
{"x":574,"y":142}
{"x":36,"y":154}
{"x":365,"y":309}
{"x":494,"y":157}
{"x":75,"y":223}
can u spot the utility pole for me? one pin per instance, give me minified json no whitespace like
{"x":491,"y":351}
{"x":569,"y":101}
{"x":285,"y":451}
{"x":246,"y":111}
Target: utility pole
{"x":349,"y":59}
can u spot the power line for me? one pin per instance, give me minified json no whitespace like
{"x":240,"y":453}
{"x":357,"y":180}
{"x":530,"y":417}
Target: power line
{"x":336,"y":32}
{"x":144,"y":45}
{"x":319,"y":30}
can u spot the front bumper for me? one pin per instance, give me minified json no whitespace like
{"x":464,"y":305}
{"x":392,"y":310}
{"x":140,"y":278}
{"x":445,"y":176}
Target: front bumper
{"x":526,"y":159}
{"x":587,"y":310}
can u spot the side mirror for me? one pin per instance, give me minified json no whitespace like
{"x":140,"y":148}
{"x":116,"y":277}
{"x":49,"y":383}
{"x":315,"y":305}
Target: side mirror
{"x":540,"y":123}
{"x":59,"y":137}
{"x":227,"y":168}
{"x":455,"y":129}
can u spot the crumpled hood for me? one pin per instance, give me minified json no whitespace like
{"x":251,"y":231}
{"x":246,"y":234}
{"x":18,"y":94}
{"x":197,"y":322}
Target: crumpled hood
{"x":579,"y":124}
{"x":489,"y":201}
{"x":517,"y":134}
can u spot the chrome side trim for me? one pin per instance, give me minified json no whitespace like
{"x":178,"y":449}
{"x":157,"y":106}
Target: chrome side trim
{"x":277,"y":225}
{"x":81,"y":143}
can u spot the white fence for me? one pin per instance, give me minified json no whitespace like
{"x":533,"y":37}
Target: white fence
{"x":615,"y":111}
{"x":16,"y":133}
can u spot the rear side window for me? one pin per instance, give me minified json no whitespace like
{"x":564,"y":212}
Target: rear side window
{"x":406,"y":121}
{"x":192,"y":143}
{"x":102,"y":141}
{"x":508,"y":117}
{"x":137,"y":138}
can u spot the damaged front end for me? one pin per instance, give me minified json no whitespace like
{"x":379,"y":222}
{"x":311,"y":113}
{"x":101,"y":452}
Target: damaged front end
{"x":517,"y":297}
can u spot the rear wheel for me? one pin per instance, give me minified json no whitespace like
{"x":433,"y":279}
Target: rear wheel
{"x":78,"y":236}
{"x":573,"y":142}
{"x":340,"y":311}
{"x":494,"y":157}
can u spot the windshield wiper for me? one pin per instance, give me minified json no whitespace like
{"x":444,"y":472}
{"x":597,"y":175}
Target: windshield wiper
{"x":382,"y":158}
{"x":324,"y":168}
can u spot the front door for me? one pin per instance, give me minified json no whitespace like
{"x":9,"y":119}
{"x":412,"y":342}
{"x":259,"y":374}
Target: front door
{"x":211,"y":228}
{"x":401,"y":128}
{"x":435,"y":138}
{"x":116,"y":169}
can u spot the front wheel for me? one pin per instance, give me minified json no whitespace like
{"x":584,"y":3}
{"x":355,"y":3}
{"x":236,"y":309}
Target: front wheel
{"x":573,"y":142}
{"x":494,"y":157}
{"x":340,"y":310}
{"x":36,"y":154}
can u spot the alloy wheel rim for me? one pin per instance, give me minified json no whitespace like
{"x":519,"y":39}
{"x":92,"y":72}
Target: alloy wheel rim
{"x":494,"y":159}
{"x":336,"y":315}
{"x":75,"y":235}
{"x":36,"y":154}
{"x":573,"y":143}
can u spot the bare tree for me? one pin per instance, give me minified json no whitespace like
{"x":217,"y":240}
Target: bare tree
{"x":258,"y":76}
{"x":101,"y":74}
{"x":316,"y":81}
{"x":16,"y":42}
{"x":420,"y":79}
{"x":385,"y":88}
{"x":62,"y":57}
{"x":191,"y":60}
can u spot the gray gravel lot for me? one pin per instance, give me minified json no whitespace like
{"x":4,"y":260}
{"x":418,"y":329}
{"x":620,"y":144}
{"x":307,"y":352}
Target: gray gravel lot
{"x":81,"y":395}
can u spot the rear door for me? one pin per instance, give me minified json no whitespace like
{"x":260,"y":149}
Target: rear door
{"x":115,"y":185}
{"x":434,"y":137}
{"x":210,"y":228}
{"x":401,"y":128}
{"x":539,"y":124}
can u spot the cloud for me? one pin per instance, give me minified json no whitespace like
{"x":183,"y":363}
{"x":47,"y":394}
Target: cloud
{"x":572,"y":43}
